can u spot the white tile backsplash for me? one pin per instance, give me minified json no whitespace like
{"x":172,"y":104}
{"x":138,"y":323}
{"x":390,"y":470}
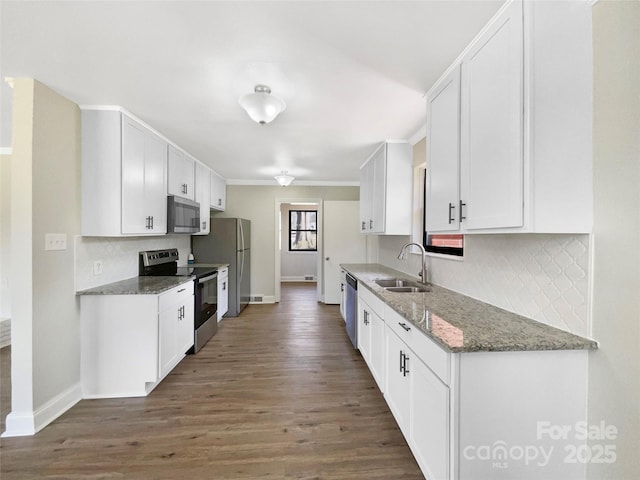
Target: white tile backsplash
{"x":119,"y":256}
{"x":544,"y":277}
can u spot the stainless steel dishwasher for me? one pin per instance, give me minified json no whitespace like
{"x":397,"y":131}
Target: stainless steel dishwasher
{"x":352,"y":310}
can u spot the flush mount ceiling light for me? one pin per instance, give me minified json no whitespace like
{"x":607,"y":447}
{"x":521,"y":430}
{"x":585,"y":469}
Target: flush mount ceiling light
{"x":261,"y":106}
{"x":284,"y":179}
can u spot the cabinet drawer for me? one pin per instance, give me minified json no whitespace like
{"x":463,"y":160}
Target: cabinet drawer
{"x":426,"y":349}
{"x":374,"y":302}
{"x":181,"y":293}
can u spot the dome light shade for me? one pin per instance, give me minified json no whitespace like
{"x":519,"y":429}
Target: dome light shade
{"x":261,"y":106}
{"x":284,"y":179}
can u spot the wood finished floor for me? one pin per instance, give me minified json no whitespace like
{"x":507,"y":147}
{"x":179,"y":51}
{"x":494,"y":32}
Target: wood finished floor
{"x":278,"y":393}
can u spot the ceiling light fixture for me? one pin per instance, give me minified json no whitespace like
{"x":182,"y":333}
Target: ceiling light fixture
{"x":284,"y":179}
{"x":261,"y":106}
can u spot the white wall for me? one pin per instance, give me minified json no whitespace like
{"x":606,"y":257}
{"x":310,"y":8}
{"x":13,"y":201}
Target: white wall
{"x":294,"y":266}
{"x":614,"y":369}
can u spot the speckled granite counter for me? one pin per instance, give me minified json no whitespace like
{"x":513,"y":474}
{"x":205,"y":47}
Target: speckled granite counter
{"x":463,"y":324}
{"x":137,"y":286}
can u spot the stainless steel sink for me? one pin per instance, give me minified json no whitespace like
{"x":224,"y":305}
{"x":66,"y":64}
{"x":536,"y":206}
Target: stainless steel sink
{"x":407,"y":289}
{"x":401,"y":285}
{"x":394,"y":282}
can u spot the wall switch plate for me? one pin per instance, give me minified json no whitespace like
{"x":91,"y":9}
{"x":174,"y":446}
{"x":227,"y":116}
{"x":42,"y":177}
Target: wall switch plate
{"x":55,"y":241}
{"x":97,"y":267}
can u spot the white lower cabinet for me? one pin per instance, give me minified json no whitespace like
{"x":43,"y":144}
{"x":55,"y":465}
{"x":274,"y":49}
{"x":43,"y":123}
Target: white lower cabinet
{"x":175,"y":325}
{"x":223,"y":292}
{"x":399,"y":361}
{"x":429,"y":413}
{"x":371,"y":336}
{"x":129,"y":343}
{"x":476,"y":415}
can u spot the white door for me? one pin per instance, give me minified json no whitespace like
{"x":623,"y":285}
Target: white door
{"x":343,"y":243}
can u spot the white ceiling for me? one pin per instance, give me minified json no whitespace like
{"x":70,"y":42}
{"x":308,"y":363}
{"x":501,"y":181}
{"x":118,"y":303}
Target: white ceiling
{"x":353,"y":73}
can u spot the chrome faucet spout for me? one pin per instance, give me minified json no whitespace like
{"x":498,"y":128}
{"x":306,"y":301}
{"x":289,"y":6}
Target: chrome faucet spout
{"x":403,"y":254}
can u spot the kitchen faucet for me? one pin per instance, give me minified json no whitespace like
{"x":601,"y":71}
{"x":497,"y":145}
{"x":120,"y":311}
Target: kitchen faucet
{"x":403,"y":255}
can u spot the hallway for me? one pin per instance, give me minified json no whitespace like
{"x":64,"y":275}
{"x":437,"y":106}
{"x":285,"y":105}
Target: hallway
{"x":278,"y":393}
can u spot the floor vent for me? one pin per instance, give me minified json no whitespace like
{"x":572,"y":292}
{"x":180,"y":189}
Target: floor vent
{"x":256,"y":298}
{"x":309,"y":277}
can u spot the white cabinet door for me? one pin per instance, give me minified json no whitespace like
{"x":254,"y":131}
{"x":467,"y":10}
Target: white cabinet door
{"x":442,"y":200}
{"x":144,"y":158}
{"x":429,"y":437}
{"x":386,"y":189}
{"x":398,"y":369}
{"x":492,"y":162}
{"x":377,"y":349}
{"x":134,"y":217}
{"x":167,"y":326}
{"x":366,"y":197}
{"x":203,"y":197}
{"x":379,"y":194}
{"x":181,"y":174}
{"x":364,"y":330}
{"x":185,"y":327}
{"x":223,"y":292}
{"x":218,"y":192}
{"x":155,"y":183}
{"x":176,"y":326}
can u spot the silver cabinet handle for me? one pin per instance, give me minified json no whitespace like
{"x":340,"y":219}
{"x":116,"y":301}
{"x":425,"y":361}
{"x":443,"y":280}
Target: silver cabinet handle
{"x":404,"y":325}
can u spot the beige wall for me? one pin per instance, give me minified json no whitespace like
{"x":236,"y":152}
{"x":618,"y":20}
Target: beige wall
{"x":5,"y":234}
{"x":614,"y":370}
{"x":45,"y":181}
{"x":258,"y":204}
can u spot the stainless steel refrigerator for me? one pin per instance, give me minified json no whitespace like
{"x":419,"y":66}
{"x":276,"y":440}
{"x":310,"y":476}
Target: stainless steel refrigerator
{"x":229,"y":241}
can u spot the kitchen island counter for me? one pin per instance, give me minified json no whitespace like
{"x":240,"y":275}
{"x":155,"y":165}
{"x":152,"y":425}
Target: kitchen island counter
{"x":462,"y":324}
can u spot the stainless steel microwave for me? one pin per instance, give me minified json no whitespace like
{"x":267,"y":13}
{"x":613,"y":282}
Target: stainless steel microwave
{"x":183,"y":215}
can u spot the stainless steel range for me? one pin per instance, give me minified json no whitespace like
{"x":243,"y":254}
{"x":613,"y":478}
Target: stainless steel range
{"x":165,"y":263}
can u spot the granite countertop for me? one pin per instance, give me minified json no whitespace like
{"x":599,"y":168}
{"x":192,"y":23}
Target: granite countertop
{"x":137,"y":286}
{"x":463,"y":324}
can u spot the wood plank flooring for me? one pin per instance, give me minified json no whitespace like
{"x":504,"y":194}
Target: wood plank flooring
{"x":278,"y":393}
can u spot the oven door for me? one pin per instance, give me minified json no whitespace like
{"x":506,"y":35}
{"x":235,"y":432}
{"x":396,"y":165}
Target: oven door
{"x":206,"y":299}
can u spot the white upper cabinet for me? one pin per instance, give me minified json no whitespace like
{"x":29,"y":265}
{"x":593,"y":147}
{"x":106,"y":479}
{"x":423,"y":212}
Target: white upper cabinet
{"x":525,"y":144}
{"x":218,"y":192}
{"x":443,"y":152}
{"x":203,"y":196}
{"x":181,"y":180}
{"x":385,"y":190}
{"x":124,"y":176}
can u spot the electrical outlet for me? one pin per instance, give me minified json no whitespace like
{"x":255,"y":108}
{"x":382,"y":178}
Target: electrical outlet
{"x":55,"y":241}
{"x":97,"y":267}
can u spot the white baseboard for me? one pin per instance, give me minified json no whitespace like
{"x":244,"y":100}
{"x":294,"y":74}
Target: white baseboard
{"x":30,"y":423}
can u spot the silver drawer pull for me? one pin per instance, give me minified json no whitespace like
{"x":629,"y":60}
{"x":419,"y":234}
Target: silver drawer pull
{"x":181,"y":290}
{"x":404,"y":325}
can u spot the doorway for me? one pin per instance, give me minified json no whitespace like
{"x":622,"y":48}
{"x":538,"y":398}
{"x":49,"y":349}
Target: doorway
{"x":298,"y":263}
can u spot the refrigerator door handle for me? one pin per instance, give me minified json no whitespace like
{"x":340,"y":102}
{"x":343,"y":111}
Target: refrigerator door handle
{"x":241,"y":235}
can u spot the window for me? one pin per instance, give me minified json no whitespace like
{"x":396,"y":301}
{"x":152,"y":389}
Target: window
{"x":303,"y":230}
